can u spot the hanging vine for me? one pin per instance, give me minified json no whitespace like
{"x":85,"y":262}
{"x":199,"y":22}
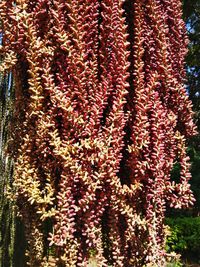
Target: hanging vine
{"x":100,"y":118}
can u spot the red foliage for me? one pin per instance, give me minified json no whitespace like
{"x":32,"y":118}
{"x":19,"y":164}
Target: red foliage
{"x":101,"y":118}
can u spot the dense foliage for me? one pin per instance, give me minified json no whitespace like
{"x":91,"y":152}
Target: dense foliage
{"x":100,"y":118}
{"x":192,"y":17}
{"x":184,"y":237}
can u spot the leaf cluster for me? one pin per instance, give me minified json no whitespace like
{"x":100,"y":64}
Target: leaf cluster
{"x":185,"y":236}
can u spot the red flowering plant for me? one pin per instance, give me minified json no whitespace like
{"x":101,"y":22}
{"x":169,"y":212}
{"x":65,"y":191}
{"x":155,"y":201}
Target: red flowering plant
{"x":101,"y":116}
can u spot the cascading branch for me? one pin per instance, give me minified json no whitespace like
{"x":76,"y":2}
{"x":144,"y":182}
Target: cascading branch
{"x":101,"y":116}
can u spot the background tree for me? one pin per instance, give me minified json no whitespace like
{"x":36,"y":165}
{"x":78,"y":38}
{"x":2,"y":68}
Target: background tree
{"x":191,"y":12}
{"x":192,"y":18}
